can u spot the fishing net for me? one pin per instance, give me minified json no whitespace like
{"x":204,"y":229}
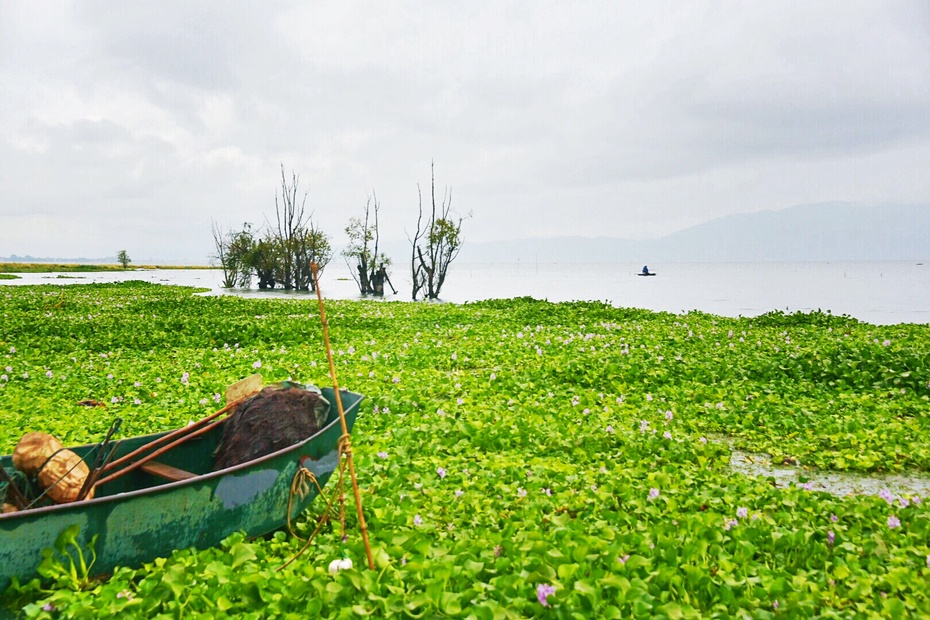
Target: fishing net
{"x":277,"y":417}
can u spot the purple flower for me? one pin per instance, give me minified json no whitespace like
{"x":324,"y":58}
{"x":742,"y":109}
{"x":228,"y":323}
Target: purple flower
{"x":185,"y":378}
{"x":894,"y":522}
{"x":609,"y":428}
{"x":885,"y":494}
{"x":395,"y":380}
{"x":775,"y":604}
{"x":417,"y":520}
{"x":441,"y":471}
{"x":48,"y":607}
{"x":521,"y":492}
{"x":667,"y":434}
{"x":886,"y":343}
{"x":834,"y":518}
{"x":649,"y":397}
{"x":257,"y":364}
{"x":544,"y":591}
{"x":459,"y":493}
{"x":903,"y":502}
{"x":216,"y":398}
{"x":382,"y":455}
{"x":493,"y":376}
{"x":653,"y":493}
{"x":669,"y":415}
{"x":548,"y":492}
{"x":830,"y":537}
{"x":928,"y":561}
{"x":48,"y":374}
{"x":729,"y":524}
{"x":624,"y":559}
{"x":703,"y":439}
{"x":742,"y":512}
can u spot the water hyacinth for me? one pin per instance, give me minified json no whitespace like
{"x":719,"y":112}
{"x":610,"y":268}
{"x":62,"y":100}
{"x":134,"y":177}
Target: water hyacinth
{"x":894,"y":522}
{"x":523,"y":424}
{"x":543,"y":592}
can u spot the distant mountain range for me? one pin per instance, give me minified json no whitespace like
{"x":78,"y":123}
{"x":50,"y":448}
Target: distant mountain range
{"x":818,"y":232}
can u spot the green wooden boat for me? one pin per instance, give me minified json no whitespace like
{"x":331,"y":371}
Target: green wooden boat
{"x":177,"y":503}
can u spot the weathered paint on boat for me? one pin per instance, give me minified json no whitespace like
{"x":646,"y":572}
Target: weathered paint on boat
{"x":140,"y":517}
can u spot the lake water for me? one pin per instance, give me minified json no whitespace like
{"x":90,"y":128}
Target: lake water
{"x":875,"y":292}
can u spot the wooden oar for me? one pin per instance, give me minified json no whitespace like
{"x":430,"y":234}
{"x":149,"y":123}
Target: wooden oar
{"x":181,"y":432}
{"x":145,"y":459}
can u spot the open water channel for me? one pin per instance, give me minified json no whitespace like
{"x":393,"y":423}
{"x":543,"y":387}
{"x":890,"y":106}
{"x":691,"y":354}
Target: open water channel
{"x":875,"y":292}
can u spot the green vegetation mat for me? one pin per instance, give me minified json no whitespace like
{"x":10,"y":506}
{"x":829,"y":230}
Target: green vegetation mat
{"x":517,"y":458}
{"x":80,"y":267}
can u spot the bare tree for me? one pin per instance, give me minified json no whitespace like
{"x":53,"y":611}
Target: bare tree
{"x":299,"y":241}
{"x":313,"y":247}
{"x":234,"y":254}
{"x":434,"y":247}
{"x":363,"y":248}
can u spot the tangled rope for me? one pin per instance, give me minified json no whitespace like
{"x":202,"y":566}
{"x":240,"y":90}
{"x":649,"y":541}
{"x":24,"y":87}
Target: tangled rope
{"x":300,"y":485}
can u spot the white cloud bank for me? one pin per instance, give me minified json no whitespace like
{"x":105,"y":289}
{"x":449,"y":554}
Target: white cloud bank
{"x":134,"y":124}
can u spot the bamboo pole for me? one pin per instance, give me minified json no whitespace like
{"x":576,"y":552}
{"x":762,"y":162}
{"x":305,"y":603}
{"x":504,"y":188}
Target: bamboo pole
{"x":342,"y":417}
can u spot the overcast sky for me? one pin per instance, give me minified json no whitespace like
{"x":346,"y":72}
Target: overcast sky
{"x":132,"y":125}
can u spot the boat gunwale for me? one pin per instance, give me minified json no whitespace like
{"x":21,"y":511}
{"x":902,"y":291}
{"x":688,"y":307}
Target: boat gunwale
{"x":154,"y":490}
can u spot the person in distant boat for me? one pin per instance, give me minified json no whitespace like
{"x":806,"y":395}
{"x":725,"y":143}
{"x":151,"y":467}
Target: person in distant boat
{"x":645,"y":270}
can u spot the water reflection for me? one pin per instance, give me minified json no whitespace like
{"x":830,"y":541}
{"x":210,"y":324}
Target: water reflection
{"x":836,"y":483}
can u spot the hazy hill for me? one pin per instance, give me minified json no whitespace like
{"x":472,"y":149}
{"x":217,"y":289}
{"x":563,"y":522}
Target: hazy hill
{"x":821,"y":232}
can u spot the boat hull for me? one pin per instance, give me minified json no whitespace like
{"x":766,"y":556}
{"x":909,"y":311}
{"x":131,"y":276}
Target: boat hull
{"x":142,"y":517}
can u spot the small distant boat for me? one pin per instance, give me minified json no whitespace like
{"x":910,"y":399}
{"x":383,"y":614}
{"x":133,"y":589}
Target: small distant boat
{"x":646,"y":272}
